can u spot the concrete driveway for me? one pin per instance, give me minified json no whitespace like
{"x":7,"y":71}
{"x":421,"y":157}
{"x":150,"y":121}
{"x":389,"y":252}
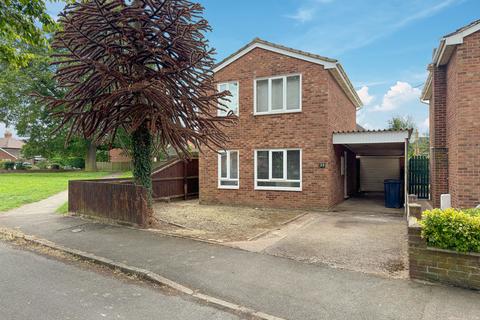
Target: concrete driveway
{"x":359,"y":235}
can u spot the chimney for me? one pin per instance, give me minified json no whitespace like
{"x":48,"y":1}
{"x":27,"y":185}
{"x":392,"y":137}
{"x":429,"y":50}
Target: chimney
{"x":8,"y":134}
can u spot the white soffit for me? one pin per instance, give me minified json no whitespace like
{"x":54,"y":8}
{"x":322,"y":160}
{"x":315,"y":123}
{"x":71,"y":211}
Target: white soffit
{"x":369,"y":137}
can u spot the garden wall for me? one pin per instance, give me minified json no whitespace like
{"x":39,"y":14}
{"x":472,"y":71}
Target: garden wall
{"x":111,"y":199}
{"x":438,"y":265}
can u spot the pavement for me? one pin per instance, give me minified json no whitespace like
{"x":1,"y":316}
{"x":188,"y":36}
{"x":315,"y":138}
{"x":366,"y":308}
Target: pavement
{"x":38,"y":287}
{"x":278,"y":286}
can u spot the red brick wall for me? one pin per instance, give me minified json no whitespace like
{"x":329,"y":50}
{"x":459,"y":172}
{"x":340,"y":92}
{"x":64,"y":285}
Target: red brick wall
{"x":118,"y":155}
{"x":451,"y":138}
{"x":6,"y":156}
{"x":308,"y":130}
{"x":468,"y":118}
{"x":341,"y":116}
{"x":438,"y":151}
{"x":454,"y":126}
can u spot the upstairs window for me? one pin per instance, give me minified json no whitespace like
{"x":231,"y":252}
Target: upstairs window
{"x":278,"y":95}
{"x":231,"y":105}
{"x":278,"y":169}
{"x":228,"y":166}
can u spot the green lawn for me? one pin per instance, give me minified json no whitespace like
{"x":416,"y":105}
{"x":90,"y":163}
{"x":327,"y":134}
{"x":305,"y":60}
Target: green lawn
{"x":17,"y":189}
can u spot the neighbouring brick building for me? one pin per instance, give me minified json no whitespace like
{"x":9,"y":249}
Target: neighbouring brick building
{"x":281,"y":153}
{"x":10,"y":147}
{"x":453,"y":92}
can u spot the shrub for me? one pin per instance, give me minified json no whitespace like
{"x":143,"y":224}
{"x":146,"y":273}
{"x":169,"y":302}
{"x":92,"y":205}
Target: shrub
{"x":452,"y":229}
{"x":74,"y":162}
{"x":55,"y":166}
{"x":42,"y":164}
{"x":9,"y":165}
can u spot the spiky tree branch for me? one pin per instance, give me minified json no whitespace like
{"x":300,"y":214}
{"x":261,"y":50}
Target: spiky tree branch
{"x":144,"y":66}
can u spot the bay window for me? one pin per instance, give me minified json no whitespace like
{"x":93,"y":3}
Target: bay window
{"x":228,"y":167}
{"x":278,"y":95}
{"x":278,"y":169}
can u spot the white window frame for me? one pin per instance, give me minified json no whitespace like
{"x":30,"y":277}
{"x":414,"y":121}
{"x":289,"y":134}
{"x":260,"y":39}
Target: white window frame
{"x":220,"y":186}
{"x":237,"y":100}
{"x":284,"y":110}
{"x":257,"y":187}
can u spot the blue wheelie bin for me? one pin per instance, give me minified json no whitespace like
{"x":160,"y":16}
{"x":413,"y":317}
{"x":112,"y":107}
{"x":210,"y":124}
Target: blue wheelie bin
{"x":393,"y":193}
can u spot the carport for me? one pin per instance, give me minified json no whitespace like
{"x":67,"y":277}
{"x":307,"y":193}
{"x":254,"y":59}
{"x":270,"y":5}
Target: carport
{"x":379,"y":155}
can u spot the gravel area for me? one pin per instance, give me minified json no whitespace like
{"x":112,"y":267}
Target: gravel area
{"x":218,"y":222}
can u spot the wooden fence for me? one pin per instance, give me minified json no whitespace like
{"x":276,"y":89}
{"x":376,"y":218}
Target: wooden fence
{"x":114,"y":166}
{"x":111,"y":199}
{"x":176,"y":179}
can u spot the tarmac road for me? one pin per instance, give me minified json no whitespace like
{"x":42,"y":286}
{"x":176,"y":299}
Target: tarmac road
{"x":34,"y":286}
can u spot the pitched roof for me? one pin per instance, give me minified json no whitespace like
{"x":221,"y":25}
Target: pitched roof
{"x":12,"y":143}
{"x":329,"y":64}
{"x":442,"y":54}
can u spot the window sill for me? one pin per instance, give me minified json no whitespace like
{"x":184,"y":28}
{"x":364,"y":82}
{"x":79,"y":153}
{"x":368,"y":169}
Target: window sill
{"x":276,"y":112}
{"x":277,"y":189}
{"x":228,"y":187}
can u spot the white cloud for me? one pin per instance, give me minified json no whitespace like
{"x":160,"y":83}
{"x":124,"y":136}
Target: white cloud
{"x":365,"y":96}
{"x":303,"y":15}
{"x":399,"y":95}
{"x":426,"y":123}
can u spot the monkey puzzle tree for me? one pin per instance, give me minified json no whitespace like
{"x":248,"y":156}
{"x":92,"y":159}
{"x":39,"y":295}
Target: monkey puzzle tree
{"x":144,"y":66}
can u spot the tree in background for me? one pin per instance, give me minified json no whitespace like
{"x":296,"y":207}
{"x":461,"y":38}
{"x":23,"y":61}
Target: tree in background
{"x":419,"y":145}
{"x":144,"y":66}
{"x":23,"y":27}
{"x":401,"y":123}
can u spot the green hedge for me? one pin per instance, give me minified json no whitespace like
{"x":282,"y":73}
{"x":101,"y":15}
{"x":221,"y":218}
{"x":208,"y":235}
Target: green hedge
{"x":452,"y":229}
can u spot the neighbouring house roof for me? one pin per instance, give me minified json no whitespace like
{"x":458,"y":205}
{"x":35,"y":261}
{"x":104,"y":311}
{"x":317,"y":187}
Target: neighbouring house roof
{"x":10,"y":142}
{"x":9,"y":153}
{"x":332,"y":65}
{"x":443,"y":53}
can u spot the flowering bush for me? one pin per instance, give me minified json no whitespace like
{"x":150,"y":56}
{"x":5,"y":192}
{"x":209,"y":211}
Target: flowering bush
{"x":452,"y":229}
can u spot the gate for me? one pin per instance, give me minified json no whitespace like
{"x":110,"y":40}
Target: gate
{"x":419,"y":177}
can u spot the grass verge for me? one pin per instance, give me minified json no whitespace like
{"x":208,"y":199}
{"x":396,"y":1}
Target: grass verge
{"x":17,"y":189}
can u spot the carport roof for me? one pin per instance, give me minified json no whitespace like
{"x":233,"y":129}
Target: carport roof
{"x":373,"y":142}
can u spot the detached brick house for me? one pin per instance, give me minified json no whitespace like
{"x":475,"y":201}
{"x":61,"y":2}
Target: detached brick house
{"x":453,"y":92}
{"x":281,"y":153}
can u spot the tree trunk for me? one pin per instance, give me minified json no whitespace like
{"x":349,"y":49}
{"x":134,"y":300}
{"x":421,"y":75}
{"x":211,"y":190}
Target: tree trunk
{"x":142,"y":165}
{"x":91,"y":159}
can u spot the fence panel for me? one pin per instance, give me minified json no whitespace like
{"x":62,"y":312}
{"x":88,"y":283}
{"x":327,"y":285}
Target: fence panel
{"x":176,"y":179}
{"x":419,"y":176}
{"x":110,"y":199}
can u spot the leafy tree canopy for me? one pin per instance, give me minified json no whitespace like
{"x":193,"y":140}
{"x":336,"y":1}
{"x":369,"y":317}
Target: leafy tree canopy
{"x":401,"y":123}
{"x":23,"y":26}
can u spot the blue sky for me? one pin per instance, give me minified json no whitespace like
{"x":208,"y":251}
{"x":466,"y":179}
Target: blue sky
{"x":384,"y":46}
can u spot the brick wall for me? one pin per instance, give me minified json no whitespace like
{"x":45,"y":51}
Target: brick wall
{"x":308,"y":130}
{"x":6,"y":156}
{"x":438,"y":150}
{"x":468,"y":106}
{"x":118,"y":155}
{"x":437,"y":265}
{"x":454,"y":132}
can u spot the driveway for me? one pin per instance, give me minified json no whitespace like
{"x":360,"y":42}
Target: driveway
{"x":358,"y":235}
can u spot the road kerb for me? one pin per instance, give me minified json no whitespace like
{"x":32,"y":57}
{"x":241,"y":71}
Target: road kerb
{"x":142,"y":273}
